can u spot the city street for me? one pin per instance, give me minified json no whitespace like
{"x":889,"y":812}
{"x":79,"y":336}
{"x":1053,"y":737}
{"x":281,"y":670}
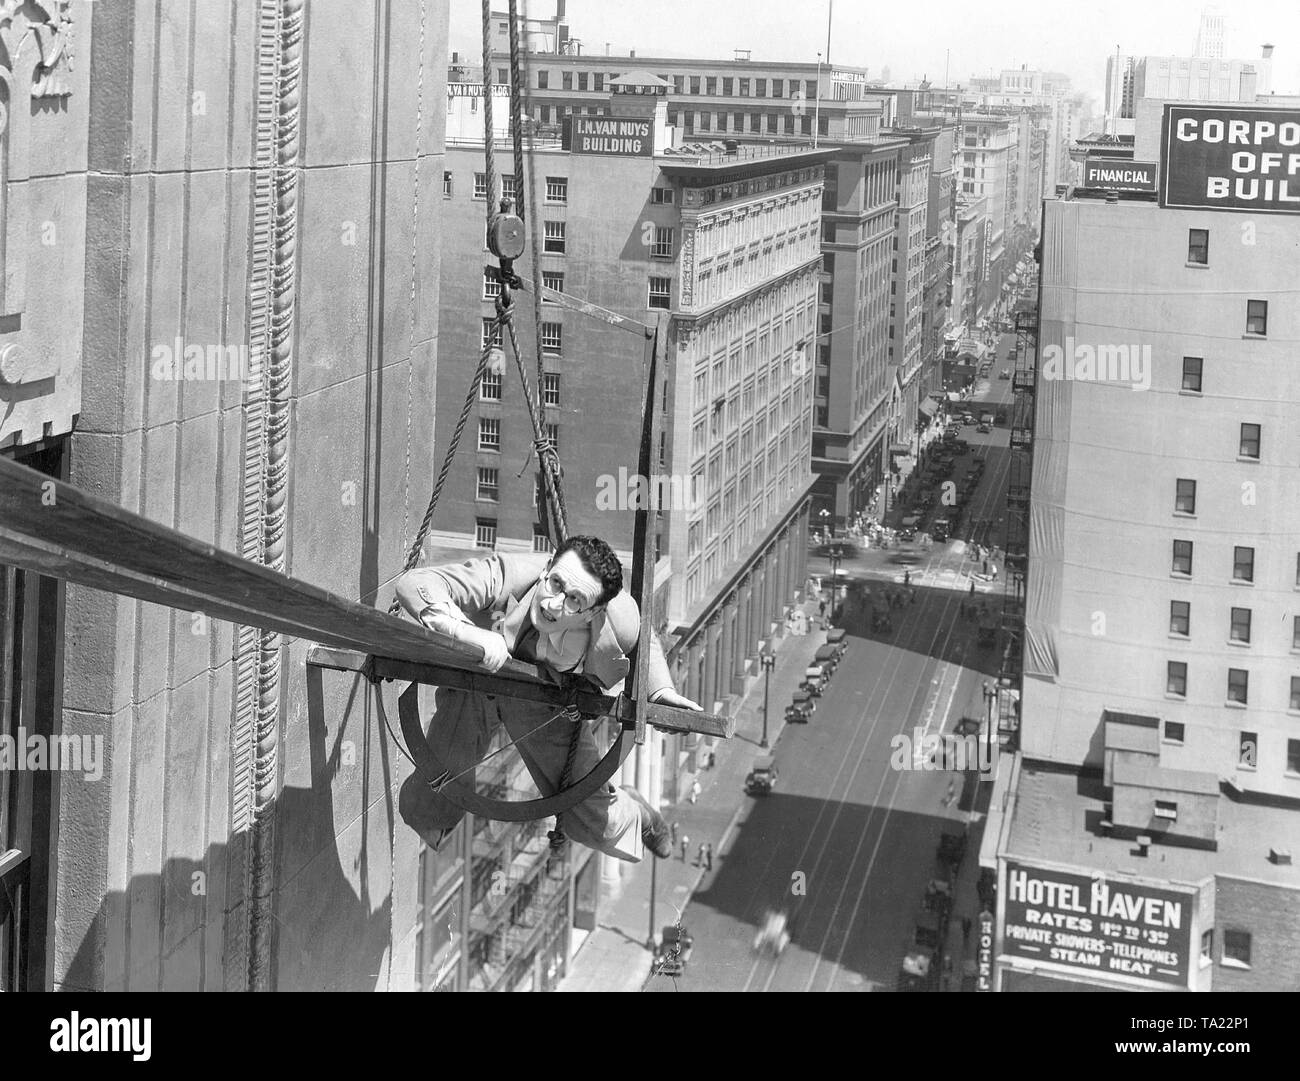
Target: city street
{"x":846,"y":844}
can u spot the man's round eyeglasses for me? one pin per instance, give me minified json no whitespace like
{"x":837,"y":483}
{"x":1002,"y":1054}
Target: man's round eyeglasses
{"x":574,"y":603}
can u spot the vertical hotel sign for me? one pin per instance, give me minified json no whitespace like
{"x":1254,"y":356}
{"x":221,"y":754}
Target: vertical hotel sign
{"x":1225,"y":158}
{"x":1108,"y":927}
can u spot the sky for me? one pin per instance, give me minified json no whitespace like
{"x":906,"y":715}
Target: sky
{"x":917,"y":39}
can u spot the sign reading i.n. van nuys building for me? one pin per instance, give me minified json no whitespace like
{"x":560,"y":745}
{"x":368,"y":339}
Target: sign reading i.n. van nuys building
{"x":1228,"y":158}
{"x":620,"y":136}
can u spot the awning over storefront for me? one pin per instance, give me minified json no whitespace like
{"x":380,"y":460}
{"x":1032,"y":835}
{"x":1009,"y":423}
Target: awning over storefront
{"x":928,"y":407}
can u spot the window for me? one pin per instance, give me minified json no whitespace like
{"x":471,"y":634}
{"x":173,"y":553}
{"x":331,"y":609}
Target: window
{"x":1175,"y":731}
{"x":695,"y":84}
{"x":743,"y":86}
{"x":489,"y":388}
{"x":598,"y":80}
{"x":726,"y":87}
{"x":553,"y":436}
{"x":660,"y":293}
{"x":543,"y":80}
{"x":557,"y":189}
{"x":1183,"y":558}
{"x":551,"y":389}
{"x":485,"y":533}
{"x":663,"y":245}
{"x":552,"y":279}
{"x":487,"y":484}
{"x":1249,"y":445}
{"x":760,"y":88}
{"x":1293,"y":756}
{"x":1176,"y":678}
{"x":541,"y":542}
{"x":1198,"y":246}
{"x":492,"y":332}
{"x":1257,"y":317}
{"x":1295,"y":693}
{"x":1185,"y":498}
{"x":582,"y":80}
{"x":1236,"y":948}
{"x":1192,"y":373}
{"x":554,"y":238}
{"x":1239,"y":628}
{"x":1166,"y":809}
{"x":1238,"y":683}
{"x":489,"y":433}
{"x":1243,"y":564}
{"x":661,"y":196}
{"x":491,"y":282}
{"x":552,"y":337}
{"x":711,"y":85}
{"x":480,"y":185}
{"x":1207,"y":945}
{"x":1247,"y":750}
{"x":1180,"y":613}
{"x":446,"y":185}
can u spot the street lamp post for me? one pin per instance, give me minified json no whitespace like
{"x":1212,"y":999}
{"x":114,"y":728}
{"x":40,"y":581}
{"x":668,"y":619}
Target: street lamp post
{"x":836,"y":557}
{"x":653,"y":942}
{"x":989,"y":696}
{"x":825,"y":515}
{"x":769,"y":662}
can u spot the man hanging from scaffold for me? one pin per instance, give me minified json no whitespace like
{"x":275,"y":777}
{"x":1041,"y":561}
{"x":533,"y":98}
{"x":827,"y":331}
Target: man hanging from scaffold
{"x":566,"y":612}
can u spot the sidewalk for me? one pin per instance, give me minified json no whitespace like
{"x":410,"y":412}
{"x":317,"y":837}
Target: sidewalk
{"x":615,"y":956}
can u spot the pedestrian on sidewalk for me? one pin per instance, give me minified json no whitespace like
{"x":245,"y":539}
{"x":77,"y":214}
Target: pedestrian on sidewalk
{"x":907,"y":577}
{"x":686,"y":843}
{"x":708,"y":856}
{"x":986,"y":566}
{"x":695,"y":791}
{"x":994,"y":568}
{"x":673,"y":829}
{"x":713,"y":758}
{"x":699,"y":855}
{"x":972,"y":587}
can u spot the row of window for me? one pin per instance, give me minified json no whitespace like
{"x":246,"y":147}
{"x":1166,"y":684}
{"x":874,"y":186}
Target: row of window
{"x":749,"y":123}
{"x":557,"y":187}
{"x":489,"y":390}
{"x":707,"y":85}
{"x":489,"y":437}
{"x":1239,"y":623}
{"x":552,"y":336}
{"x":1247,"y":751}
{"x":1238,"y":684}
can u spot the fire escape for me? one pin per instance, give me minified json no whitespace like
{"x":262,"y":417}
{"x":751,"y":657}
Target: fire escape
{"x":1016,"y":540}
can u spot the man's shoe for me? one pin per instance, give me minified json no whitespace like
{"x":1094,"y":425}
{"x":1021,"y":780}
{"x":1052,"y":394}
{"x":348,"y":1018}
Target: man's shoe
{"x":654,"y":830}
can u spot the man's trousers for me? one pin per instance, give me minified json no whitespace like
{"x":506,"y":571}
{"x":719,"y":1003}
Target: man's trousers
{"x":459,"y":733}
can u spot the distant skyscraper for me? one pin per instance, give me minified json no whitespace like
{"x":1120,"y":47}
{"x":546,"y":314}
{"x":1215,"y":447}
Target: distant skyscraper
{"x":1209,"y":37}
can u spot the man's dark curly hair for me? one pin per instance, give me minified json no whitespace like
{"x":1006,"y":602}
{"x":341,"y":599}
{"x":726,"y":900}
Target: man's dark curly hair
{"x":598,"y":560}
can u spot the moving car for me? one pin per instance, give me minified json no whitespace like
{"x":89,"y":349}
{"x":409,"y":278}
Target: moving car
{"x":762,"y":778}
{"x":940,"y":530}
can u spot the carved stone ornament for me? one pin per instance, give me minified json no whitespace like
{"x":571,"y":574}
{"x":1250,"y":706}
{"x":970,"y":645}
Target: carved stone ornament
{"x":51,"y":37}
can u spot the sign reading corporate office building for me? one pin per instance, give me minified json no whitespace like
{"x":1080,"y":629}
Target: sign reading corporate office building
{"x":1110,"y":927}
{"x":1117,"y":174}
{"x":1224,"y":158}
{"x":620,"y":136}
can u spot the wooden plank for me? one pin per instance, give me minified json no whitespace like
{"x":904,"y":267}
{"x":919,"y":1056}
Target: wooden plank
{"x":66,"y":533}
{"x":519,"y":680}
{"x":595,"y":311}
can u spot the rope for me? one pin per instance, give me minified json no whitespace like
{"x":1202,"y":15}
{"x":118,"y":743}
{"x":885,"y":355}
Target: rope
{"x":413,"y":556}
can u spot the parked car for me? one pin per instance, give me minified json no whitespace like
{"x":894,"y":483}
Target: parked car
{"x":1005,"y":373}
{"x":814,"y":680}
{"x":795,"y":714}
{"x":674,"y":951}
{"x":828,"y":656}
{"x":985,"y":428}
{"x":804,"y":700}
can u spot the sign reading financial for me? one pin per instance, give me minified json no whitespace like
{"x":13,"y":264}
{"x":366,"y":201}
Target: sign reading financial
{"x":1117,"y":174}
{"x":1109,"y":927}
{"x":1221,"y":158}
{"x":620,"y":136}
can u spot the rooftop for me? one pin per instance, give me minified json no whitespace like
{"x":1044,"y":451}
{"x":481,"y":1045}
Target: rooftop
{"x":718,"y":155}
{"x":1055,"y":819}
